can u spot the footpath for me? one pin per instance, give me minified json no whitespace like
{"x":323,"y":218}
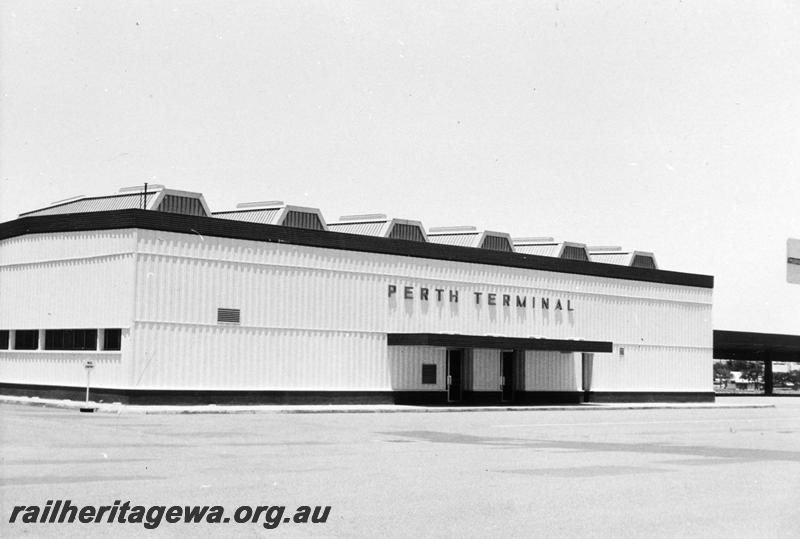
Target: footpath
{"x":119,"y":408}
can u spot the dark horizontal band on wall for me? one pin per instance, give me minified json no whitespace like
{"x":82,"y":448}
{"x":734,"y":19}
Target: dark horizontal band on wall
{"x":428,"y":398}
{"x":227,"y":228}
{"x":649,"y":396}
{"x":549,"y":397}
{"x":486,"y":341}
{"x":197,"y":397}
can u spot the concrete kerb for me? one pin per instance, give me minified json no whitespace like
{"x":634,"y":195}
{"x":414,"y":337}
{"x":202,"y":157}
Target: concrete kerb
{"x":118,"y":408}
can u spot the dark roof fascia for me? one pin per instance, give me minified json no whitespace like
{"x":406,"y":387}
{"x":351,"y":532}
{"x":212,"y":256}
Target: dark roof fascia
{"x":486,"y":341}
{"x":227,"y":228}
{"x":727,"y":343}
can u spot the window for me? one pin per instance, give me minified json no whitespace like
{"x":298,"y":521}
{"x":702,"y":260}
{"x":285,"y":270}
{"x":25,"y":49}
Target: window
{"x":112,"y":339}
{"x":229,"y":316}
{"x":26,"y":339}
{"x":70,"y":339}
{"x":428,"y":373}
{"x":4,"y":333}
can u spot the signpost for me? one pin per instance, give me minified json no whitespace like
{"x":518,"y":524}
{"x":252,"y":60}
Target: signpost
{"x":88,"y":365}
{"x":793,"y":261}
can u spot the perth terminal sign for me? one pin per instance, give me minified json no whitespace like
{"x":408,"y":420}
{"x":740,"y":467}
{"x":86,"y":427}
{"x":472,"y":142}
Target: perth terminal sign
{"x":445,"y":295}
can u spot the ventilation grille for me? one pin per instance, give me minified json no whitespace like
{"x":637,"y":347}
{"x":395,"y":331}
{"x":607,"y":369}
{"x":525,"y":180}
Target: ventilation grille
{"x":299,"y":219}
{"x":574,"y":253}
{"x":496,"y":243}
{"x":183,"y":205}
{"x":402,"y":231}
{"x":641,"y":261}
{"x":228,"y":316}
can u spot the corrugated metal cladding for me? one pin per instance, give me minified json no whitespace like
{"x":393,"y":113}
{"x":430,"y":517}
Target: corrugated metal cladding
{"x":464,"y":240}
{"x":620,"y":259}
{"x":318,"y":318}
{"x":406,"y":367}
{"x":267,"y":216}
{"x":190,"y":291}
{"x":642,"y":261}
{"x":369,"y":228}
{"x":279,"y":285}
{"x":66,"y":245}
{"x":299,"y":219}
{"x":182,"y":356}
{"x":652,"y":368}
{"x":403,"y":231}
{"x":114,"y":202}
{"x":550,"y":249}
{"x":552,"y":371}
{"x":496,"y":243}
{"x":91,"y":293}
{"x":485,"y":370}
{"x":572,"y":252}
{"x":62,"y":368}
{"x":181,"y":204}
{"x":74,"y":280}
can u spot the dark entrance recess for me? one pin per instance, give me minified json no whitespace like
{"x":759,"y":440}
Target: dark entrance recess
{"x":509,"y":380}
{"x":455,"y":364}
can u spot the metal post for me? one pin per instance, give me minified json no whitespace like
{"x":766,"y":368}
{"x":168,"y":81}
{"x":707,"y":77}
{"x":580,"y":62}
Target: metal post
{"x":88,"y":374}
{"x":768,"y":381}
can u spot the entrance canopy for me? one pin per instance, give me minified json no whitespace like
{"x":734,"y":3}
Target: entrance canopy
{"x":756,"y":346}
{"x":505,"y":343}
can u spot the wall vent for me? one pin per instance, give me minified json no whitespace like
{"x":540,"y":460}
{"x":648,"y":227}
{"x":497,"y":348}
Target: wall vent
{"x":228,"y":316}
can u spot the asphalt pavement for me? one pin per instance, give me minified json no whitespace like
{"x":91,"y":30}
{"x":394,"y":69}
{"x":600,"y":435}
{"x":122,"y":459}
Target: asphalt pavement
{"x":573,"y":472}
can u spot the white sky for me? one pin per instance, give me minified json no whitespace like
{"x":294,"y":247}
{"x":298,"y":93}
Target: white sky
{"x":665,"y":126}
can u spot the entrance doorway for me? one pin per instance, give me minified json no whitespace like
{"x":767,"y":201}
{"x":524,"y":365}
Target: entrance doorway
{"x":508,"y":375}
{"x":455,"y":368}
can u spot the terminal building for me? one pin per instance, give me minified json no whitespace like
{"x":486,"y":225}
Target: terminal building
{"x":270,"y":303}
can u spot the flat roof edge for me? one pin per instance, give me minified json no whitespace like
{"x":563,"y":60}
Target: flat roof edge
{"x":226,"y":228}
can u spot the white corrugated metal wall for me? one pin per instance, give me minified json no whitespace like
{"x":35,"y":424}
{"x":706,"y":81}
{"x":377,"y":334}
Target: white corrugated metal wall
{"x":280,"y":288}
{"x":71,"y":280}
{"x":194,"y":356}
{"x":485,"y":370}
{"x":286,"y":286}
{"x":406,"y":367}
{"x":552,"y":371}
{"x":318,"y":318}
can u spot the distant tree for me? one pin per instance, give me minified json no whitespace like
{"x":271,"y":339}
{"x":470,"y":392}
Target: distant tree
{"x":751,"y":370}
{"x":721,"y":371}
{"x":754,"y":372}
{"x":794,"y":377}
{"x":780,"y":378}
